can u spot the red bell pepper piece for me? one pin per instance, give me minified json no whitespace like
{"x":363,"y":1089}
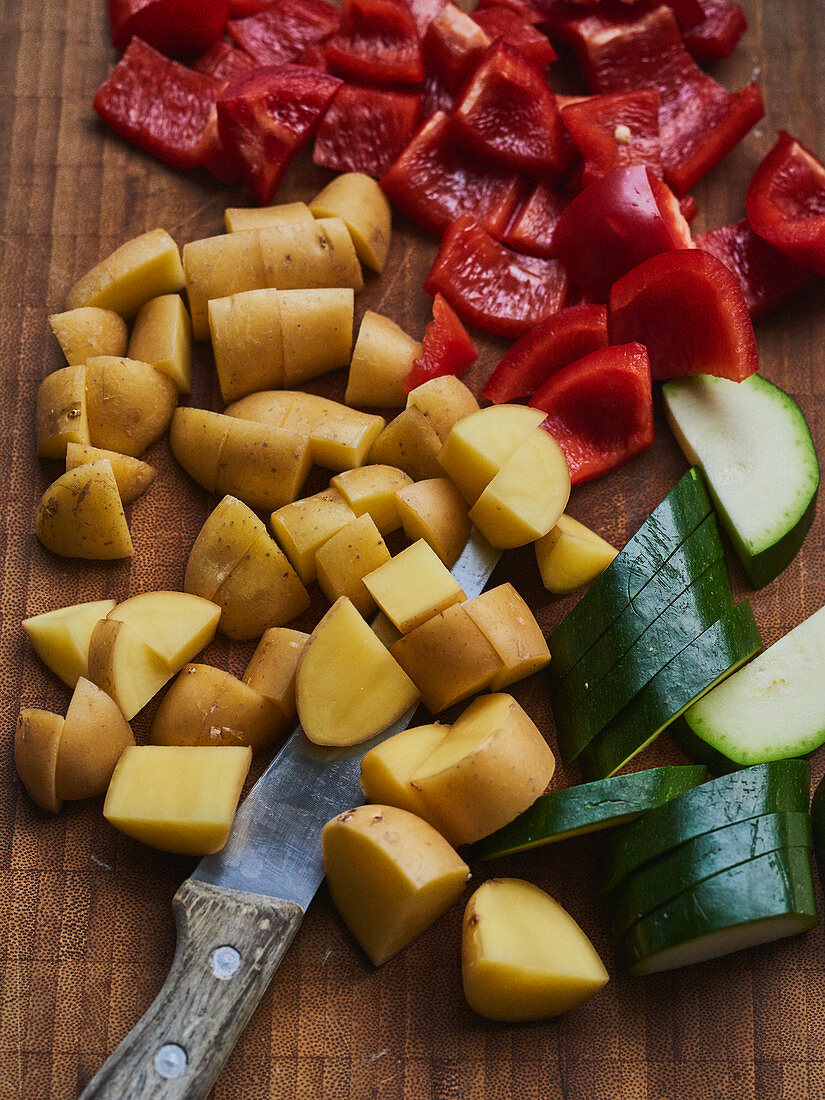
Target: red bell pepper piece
{"x":285,"y":29}
{"x":315,"y":58}
{"x":177,"y":28}
{"x":377,"y":43}
{"x":224,"y":61}
{"x":239,"y":9}
{"x":445,"y":349}
{"x":688,"y":310}
{"x":365,"y":129}
{"x":614,"y":224}
{"x":436,"y":97}
{"x":786,"y":203}
{"x":766,"y":276}
{"x":688,"y":207}
{"x":490,"y":286}
{"x":434,"y":183}
{"x":265,"y":117}
{"x":531,"y":11}
{"x":600,"y":410}
{"x":554,"y":343}
{"x":452,"y":46}
{"x":716,"y":35}
{"x":499,"y":21}
{"x":533,"y":224}
{"x":612,"y":131}
{"x":424,"y":11}
{"x":507,"y":115}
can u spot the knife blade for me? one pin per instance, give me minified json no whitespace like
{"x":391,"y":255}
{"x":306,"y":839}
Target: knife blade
{"x":239,"y":910}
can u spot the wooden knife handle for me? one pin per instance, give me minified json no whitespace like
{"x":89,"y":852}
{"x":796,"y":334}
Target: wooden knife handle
{"x":229,"y":946}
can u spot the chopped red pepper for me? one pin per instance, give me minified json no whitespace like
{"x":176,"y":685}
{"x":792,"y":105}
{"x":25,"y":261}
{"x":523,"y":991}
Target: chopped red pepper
{"x":499,"y":21}
{"x":436,"y":98}
{"x":266,"y":116}
{"x":239,"y":9}
{"x":529,"y":11}
{"x":224,"y":61}
{"x":688,"y":207}
{"x":285,"y":29}
{"x":445,"y":349}
{"x":177,"y":28}
{"x":716,"y":35}
{"x":688,"y":310}
{"x":612,"y":131}
{"x":490,"y":286}
{"x":507,"y":114}
{"x":377,"y":43}
{"x":533,"y":224}
{"x":786,"y":203}
{"x":614,"y":224}
{"x":424,"y":11}
{"x":365,"y":129}
{"x":600,"y":410}
{"x":452,"y":46}
{"x":315,"y":58}
{"x":434,"y":182}
{"x":554,"y":343}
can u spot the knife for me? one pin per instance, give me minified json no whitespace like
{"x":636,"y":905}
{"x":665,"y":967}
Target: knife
{"x":238,"y":912}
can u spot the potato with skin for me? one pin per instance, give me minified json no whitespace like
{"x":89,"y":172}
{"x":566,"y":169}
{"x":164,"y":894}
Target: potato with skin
{"x":479,"y":444}
{"x":177,"y":625}
{"x":444,"y":401}
{"x":409,"y":443}
{"x":89,"y":331}
{"x":129,"y":404}
{"x":81,"y":515}
{"x":348,"y":687}
{"x":386,"y":769}
{"x":571,"y":555}
{"x":302,"y":256}
{"x":316,"y":329}
{"x":362,"y":204}
{"x":381,"y":359}
{"x":247,"y":342}
{"x":61,"y":416}
{"x":302,"y":527}
{"x":162,"y":336}
{"x":346,"y":558}
{"x":132,"y":476}
{"x":240,"y":218}
{"x":225,"y":537}
{"x":435,"y":511}
{"x":262,"y":590}
{"x":372,"y":489}
{"x":216,"y":267}
{"x":143,"y":268}
{"x":125,"y":666}
{"x":523,"y":957}
{"x":197,"y":438}
{"x":60,"y":638}
{"x":390,"y":876}
{"x":413,"y":586}
{"x":492,"y":765}
{"x":511,"y":629}
{"x":264,"y":467}
{"x":36,"y":740}
{"x":93,"y":736}
{"x":272,"y":667}
{"x":177,"y":799}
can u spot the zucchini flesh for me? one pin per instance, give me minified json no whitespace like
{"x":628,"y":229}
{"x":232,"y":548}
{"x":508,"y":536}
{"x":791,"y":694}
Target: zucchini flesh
{"x":780,"y":786}
{"x":716,"y":653}
{"x":662,"y":533}
{"x":762,"y":900}
{"x":588,"y":807}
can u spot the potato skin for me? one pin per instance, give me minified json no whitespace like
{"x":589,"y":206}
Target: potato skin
{"x":36,"y":741}
{"x":129,"y":404}
{"x":81,"y":515}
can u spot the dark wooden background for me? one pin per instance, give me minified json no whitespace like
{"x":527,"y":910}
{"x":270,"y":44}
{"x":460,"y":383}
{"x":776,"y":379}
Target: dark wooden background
{"x":86,"y":933}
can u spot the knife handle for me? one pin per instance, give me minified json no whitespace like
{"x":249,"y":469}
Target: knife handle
{"x":228,"y":947}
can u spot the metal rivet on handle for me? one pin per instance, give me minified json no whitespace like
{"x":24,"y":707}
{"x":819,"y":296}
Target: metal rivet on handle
{"x":171,"y":1060}
{"x":224,"y":962}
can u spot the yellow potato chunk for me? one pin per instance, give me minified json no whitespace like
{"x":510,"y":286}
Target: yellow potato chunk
{"x":247,"y":342}
{"x":316,"y":328}
{"x":444,"y":401}
{"x":222,"y":542}
{"x":571,"y":555}
{"x":267,"y":407}
{"x":413,"y":586}
{"x":89,"y":331}
{"x":207,"y":706}
{"x":303,"y":527}
{"x":381,"y":359}
{"x":372,"y":489}
{"x":409,"y":443}
{"x":523,"y":957}
{"x":448,"y":658}
{"x":143,"y":268}
{"x":132,"y":476}
{"x":94,"y":735}
{"x":390,"y":875}
{"x":272,"y":667}
{"x":479,"y":444}
{"x":177,"y":625}
{"x":435,"y":511}
{"x":302,"y":256}
{"x":241,"y":218}
{"x":217,"y":267}
{"x":511,"y":629}
{"x":129,"y":404}
{"x":61,"y":416}
{"x":263,"y":466}
{"x":162,"y":336}
{"x":36,"y":741}
{"x":346,"y":558}
{"x":386,"y":769}
{"x":125,"y":666}
{"x":197,"y":438}
{"x":177,"y":799}
{"x":60,"y":638}
{"x":262,"y":590}
{"x":366,"y":211}
{"x":81,"y":515}
{"x":348,"y":687}
{"x":490,"y":767}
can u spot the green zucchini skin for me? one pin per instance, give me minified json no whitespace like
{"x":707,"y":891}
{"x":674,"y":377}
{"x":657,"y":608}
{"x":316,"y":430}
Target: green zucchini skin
{"x":698,"y":607}
{"x":588,"y":807}
{"x":663,"y":532}
{"x":699,"y":751}
{"x":661,"y":880}
{"x":720,"y":650}
{"x":760,"y":892}
{"x":781,"y":786}
{"x":818,"y":821}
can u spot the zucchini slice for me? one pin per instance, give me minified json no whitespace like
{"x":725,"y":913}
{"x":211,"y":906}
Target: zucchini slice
{"x":588,"y":807}
{"x":764,"y":899}
{"x":720,"y":650}
{"x":780,"y":786}
{"x":755,"y":449}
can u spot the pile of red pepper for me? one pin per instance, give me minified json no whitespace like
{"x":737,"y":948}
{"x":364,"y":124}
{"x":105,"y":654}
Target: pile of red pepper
{"x":564,"y":220}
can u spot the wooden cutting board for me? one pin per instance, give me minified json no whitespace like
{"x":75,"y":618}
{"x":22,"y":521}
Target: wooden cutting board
{"x":86,"y":932}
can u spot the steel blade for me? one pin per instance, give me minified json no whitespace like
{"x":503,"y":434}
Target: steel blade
{"x":274,"y":847}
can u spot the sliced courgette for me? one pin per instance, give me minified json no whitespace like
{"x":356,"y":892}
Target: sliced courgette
{"x":588,"y":807}
{"x":781,"y":786}
{"x":818,"y":822}
{"x":716,"y":653}
{"x":764,"y":899}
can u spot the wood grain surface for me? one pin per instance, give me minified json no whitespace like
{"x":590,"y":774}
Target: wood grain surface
{"x":86,"y":925}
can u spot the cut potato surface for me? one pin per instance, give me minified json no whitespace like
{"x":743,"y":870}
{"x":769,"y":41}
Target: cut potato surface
{"x":479,"y":444}
{"x":36,"y":741}
{"x":345,"y":559}
{"x":571,"y":555}
{"x":523,"y":957}
{"x":94,"y":735}
{"x":132,"y":476}
{"x":125,"y":666}
{"x":162,"y":336}
{"x":409,"y":443}
{"x":177,"y":625}
{"x":89,"y":331}
{"x":60,"y":638}
{"x":366,"y":212}
{"x":303,"y":527}
{"x":372,"y":489}
{"x":386,"y":768}
{"x":143,"y":268}
{"x":443,"y":401}
{"x":381,"y":359}
{"x":81,"y":515}
{"x":413,"y":586}
{"x":272,"y":667}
